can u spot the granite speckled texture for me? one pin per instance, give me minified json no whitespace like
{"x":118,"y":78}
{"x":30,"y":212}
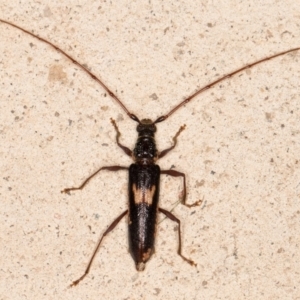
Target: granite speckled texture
{"x":240,"y":150}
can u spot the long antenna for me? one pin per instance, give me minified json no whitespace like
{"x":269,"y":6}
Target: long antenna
{"x":208,"y":86}
{"x":182,"y":103}
{"x":93,"y":76}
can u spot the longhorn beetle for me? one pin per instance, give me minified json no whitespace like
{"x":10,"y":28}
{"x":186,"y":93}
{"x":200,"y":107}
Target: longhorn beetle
{"x":144,"y":174}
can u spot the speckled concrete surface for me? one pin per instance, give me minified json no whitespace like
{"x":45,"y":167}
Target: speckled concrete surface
{"x":240,"y":150}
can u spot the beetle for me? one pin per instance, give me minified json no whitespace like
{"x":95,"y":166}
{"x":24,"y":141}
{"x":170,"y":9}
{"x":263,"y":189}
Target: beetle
{"x":144,"y":173}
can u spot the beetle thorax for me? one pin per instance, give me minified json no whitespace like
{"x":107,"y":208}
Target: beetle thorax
{"x":145,"y":151}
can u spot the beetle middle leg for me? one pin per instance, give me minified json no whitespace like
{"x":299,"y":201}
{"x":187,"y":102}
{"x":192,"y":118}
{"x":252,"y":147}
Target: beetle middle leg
{"x":175,"y":173}
{"x":173,"y":218}
{"x":109,"y":168}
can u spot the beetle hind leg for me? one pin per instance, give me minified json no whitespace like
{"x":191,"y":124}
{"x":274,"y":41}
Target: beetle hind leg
{"x":173,"y":218}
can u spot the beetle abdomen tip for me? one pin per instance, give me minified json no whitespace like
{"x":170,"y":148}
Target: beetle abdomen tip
{"x":140,"y":266}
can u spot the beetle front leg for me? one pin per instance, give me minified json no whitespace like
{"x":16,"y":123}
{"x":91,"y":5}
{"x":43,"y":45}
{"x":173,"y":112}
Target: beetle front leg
{"x":166,"y":151}
{"x":124,"y":148}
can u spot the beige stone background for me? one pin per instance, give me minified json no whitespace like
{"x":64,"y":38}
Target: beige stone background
{"x":240,"y":150}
